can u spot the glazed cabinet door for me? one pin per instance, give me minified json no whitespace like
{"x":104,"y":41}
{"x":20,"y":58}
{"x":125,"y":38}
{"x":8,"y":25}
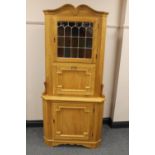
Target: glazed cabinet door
{"x":73,"y":121}
{"x":75,"y":39}
{"x":73,"y":79}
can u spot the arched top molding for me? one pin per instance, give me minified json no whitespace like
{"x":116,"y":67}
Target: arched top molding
{"x":79,"y":10}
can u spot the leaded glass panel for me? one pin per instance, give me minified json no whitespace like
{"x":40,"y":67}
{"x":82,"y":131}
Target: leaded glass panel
{"x":75,"y":39}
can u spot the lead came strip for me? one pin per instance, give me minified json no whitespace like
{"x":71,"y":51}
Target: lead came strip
{"x":75,"y":39}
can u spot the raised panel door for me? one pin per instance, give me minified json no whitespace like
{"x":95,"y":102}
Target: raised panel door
{"x":73,"y":79}
{"x":73,"y":121}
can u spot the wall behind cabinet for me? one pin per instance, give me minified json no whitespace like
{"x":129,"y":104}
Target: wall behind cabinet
{"x":35,"y":49}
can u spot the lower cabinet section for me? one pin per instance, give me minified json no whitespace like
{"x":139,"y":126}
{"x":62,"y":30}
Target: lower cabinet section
{"x":72,"y":121}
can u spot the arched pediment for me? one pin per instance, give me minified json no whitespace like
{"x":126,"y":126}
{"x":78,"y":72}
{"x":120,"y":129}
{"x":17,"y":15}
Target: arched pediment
{"x":79,"y":10}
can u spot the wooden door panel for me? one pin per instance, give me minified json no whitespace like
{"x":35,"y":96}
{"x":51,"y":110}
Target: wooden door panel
{"x":74,"y":79}
{"x":72,"y":120}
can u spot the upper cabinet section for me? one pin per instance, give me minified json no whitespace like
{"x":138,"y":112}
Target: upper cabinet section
{"x":74,"y":45}
{"x":73,"y":33}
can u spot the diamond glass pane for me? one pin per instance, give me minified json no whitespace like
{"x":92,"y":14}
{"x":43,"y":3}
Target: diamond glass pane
{"x":75,"y":39}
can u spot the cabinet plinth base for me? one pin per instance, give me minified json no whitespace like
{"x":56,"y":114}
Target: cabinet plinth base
{"x":87,"y":144}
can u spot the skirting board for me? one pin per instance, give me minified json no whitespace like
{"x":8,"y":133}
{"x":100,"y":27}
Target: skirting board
{"x":108,"y":121}
{"x":120,"y":124}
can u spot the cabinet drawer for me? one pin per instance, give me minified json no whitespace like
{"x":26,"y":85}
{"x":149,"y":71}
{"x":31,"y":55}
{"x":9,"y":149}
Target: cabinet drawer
{"x":73,"y":79}
{"x":72,"y":121}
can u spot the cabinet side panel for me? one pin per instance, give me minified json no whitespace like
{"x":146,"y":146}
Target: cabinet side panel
{"x":47,"y":120}
{"x":98,"y":113}
{"x":49,"y":44}
{"x":100,"y":55}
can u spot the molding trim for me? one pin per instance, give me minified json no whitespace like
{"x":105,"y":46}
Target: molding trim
{"x":108,"y":121}
{"x":119,"y":124}
{"x":34,"y":23}
{"x":108,"y":26}
{"x":122,"y":124}
{"x":34,"y":123}
{"x":75,"y":10}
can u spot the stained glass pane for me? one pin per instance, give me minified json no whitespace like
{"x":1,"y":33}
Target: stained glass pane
{"x":67,"y":41}
{"x":60,"y":41}
{"x":75,"y":31}
{"x":82,"y":32}
{"x":75,"y":52}
{"x":89,"y":32}
{"x":67,"y":52}
{"x":74,"y":42}
{"x":60,"y":52}
{"x":82,"y":42}
{"x":88,"y":53}
{"x":60,"y":31}
{"x":68,"y":31}
{"x":75,"y":39}
{"x":88,"y":42}
{"x":81,"y":53}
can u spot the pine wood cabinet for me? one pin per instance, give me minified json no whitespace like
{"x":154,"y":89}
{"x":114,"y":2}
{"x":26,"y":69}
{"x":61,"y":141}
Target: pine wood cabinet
{"x":74,"y":52}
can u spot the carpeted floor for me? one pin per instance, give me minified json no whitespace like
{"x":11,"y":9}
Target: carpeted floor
{"x":115,"y":142}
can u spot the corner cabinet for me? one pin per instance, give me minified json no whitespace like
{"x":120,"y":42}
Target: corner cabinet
{"x":73,"y":100}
